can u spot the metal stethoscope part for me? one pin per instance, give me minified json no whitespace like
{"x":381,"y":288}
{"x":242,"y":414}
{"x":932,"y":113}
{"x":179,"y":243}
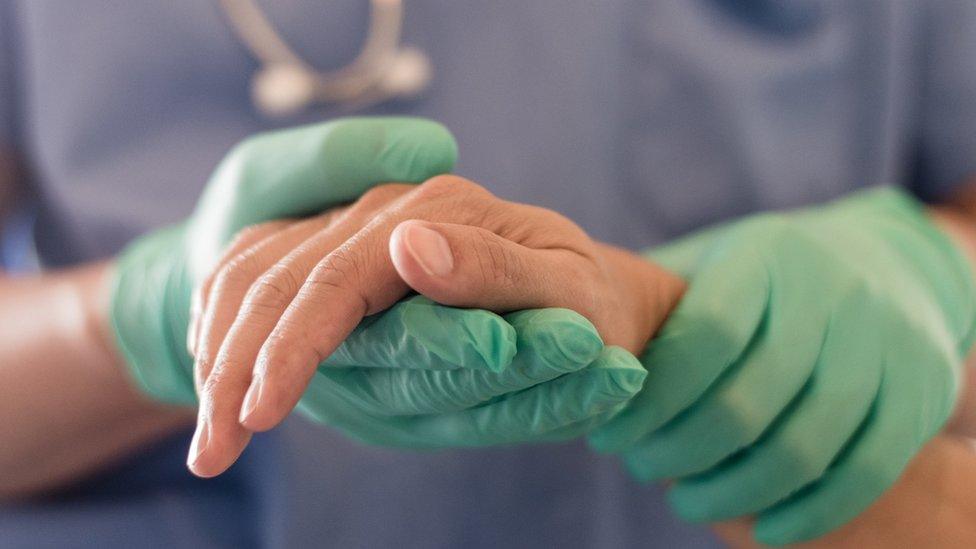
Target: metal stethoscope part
{"x":286,"y":84}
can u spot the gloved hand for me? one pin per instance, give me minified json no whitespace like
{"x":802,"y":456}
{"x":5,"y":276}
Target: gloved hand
{"x":418,"y":374}
{"x":462,"y":377}
{"x":813,"y":355}
{"x":287,"y":173}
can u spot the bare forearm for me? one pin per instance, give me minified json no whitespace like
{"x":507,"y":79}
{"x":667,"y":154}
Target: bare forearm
{"x":68,"y":404}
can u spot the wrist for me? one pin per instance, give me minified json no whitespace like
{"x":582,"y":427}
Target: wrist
{"x":648,"y":294}
{"x":93,"y":295}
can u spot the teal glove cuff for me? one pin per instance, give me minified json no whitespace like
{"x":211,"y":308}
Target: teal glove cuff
{"x":147,"y":330}
{"x":926,"y":247}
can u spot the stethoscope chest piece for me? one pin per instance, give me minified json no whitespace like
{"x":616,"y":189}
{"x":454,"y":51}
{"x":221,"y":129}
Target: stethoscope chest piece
{"x":282,"y":89}
{"x":409,"y":74}
{"x":285,"y":84}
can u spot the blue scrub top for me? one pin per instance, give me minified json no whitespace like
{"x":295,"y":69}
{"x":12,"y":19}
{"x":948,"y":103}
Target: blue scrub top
{"x":639,"y":120}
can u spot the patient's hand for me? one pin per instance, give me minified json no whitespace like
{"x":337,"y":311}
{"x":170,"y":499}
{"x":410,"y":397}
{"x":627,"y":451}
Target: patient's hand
{"x":288,"y":293}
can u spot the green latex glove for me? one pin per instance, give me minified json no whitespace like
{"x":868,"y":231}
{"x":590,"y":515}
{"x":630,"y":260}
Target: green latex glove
{"x":816,"y":350}
{"x":546,"y":377}
{"x":281,"y":174}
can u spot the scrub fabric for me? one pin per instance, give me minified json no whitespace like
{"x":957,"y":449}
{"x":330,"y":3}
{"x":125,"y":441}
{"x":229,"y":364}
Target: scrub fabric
{"x":639,"y":120}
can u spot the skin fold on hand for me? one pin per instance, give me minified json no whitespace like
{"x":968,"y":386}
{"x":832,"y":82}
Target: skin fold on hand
{"x":288,"y":293}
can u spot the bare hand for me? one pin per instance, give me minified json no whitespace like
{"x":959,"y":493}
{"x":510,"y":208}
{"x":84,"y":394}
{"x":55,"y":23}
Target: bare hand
{"x":288,"y":293}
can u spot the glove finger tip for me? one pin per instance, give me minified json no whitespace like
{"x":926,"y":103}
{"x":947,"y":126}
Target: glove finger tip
{"x":498,"y":348}
{"x":638,"y":470}
{"x":691,"y":506}
{"x":562,"y":338}
{"x":688,"y":512}
{"x":624,"y":368}
{"x":600,"y":442}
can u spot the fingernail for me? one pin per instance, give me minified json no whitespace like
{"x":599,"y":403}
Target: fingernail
{"x":251,"y":400}
{"x":201,"y":438}
{"x":430,"y":249}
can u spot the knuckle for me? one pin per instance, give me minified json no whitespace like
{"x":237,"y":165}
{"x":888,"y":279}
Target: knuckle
{"x":209,"y":388}
{"x":562,"y":232}
{"x":212,"y":385}
{"x":341,"y":271}
{"x":342,"y":264}
{"x":447,"y":185}
{"x":274,"y":289}
{"x":552,"y":218}
{"x":449,"y":197}
{"x":204,"y":364}
{"x":238,"y":271}
{"x":340,"y":268}
{"x":381,"y":194}
{"x":291,"y":341}
{"x":497,"y":262}
{"x":282,"y":337}
{"x":490,"y":214}
{"x":222,"y":379}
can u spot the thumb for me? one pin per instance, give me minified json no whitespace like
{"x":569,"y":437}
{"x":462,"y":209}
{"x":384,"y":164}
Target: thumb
{"x":305,"y":170}
{"x":468,"y":266}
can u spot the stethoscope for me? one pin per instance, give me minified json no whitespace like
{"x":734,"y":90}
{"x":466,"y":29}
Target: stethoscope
{"x":285,"y":84}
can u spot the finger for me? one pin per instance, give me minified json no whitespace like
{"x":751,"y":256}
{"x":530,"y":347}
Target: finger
{"x":470,"y":266}
{"x":710,"y":328}
{"x":256,"y":262}
{"x":308,"y":169}
{"x":531,"y":414}
{"x":417,"y":333}
{"x":330,"y":304}
{"x":224,"y":291}
{"x":353,"y":281}
{"x":225,"y":386}
{"x":913,"y":403}
{"x":581,"y":428}
{"x":551,"y":342}
{"x":742,"y":404}
{"x":517,"y":417}
{"x":810,"y":435}
{"x":244,"y":240}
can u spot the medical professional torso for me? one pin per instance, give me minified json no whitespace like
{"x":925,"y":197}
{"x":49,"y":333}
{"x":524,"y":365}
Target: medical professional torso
{"x":639,"y":120}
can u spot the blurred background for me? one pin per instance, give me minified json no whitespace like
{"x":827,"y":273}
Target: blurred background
{"x":638,"y":120}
